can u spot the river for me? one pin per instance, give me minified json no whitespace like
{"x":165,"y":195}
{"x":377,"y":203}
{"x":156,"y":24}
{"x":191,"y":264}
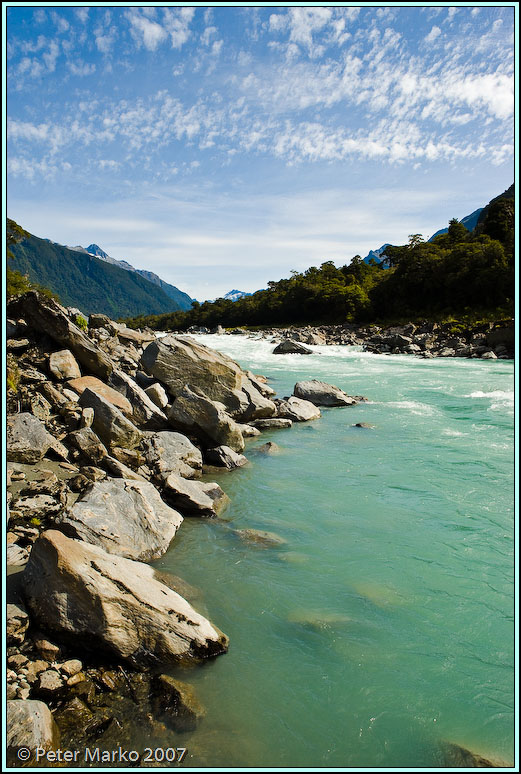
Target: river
{"x":384,"y":626}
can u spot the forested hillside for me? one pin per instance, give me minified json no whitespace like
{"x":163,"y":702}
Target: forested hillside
{"x":459,"y":273}
{"x":86,"y":282}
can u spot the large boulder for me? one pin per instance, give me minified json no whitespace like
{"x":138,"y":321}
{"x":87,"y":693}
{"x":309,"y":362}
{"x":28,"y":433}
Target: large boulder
{"x":195,"y":498}
{"x":111,"y":603}
{"x":30,"y":726}
{"x":109,"y":423}
{"x":125,"y":517}
{"x":179,"y":361}
{"x":99,"y":387}
{"x":27,"y":439}
{"x":297,"y":409}
{"x":145,"y":413}
{"x":291,"y":347}
{"x":63,"y":365}
{"x":206,"y":419}
{"x":137,"y":338}
{"x":47,"y":316}
{"x":176,"y":703}
{"x":322,"y":394}
{"x":169,"y":452}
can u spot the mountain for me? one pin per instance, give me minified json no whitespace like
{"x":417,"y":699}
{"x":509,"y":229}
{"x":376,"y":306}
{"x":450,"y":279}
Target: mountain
{"x":88,"y":282}
{"x":234,"y":295}
{"x":183,"y":300}
{"x":469,"y":221}
{"x":377,"y":255}
{"x":508,"y":194}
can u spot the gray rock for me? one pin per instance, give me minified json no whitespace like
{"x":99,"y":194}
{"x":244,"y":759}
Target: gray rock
{"x":180,"y":361}
{"x":30,"y":725}
{"x":224,"y":457}
{"x":27,"y":439}
{"x":17,"y":623}
{"x":322,"y":394}
{"x":99,"y":321}
{"x":138,"y":338}
{"x":118,"y":469}
{"x":113,"y":604}
{"x":145,"y":413}
{"x":291,"y":347}
{"x":272,"y":423}
{"x":169,"y":452}
{"x":47,"y":316}
{"x":207,"y":419}
{"x":109,"y":423}
{"x":63,"y":365}
{"x":125,"y":517}
{"x":87,"y":442}
{"x":297,"y":409}
{"x":16,"y":556}
{"x":49,"y":683}
{"x":269,"y":448}
{"x":195,"y":498}
{"x":489,"y":356}
{"x":40,"y":407}
{"x":104,"y":390}
{"x":157,"y":394}
{"x":87,"y":417}
{"x":56,"y":398}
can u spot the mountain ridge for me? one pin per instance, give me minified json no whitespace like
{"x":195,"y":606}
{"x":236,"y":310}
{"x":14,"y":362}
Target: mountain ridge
{"x":86,"y":281}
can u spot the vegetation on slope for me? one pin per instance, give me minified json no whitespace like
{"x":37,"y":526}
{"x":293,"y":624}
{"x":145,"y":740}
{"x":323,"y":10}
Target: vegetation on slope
{"x":457,"y":274}
{"x":83,"y":281}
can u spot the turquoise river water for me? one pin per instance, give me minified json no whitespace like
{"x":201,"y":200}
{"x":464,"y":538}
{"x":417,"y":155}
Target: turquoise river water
{"x":384,"y":627}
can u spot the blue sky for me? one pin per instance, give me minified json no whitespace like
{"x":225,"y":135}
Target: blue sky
{"x":223,"y":147}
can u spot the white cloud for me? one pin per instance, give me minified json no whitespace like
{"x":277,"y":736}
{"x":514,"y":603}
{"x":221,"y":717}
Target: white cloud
{"x":61,"y":23}
{"x":39,"y":16}
{"x":82,"y":14}
{"x":433,"y":34}
{"x":177,"y":22}
{"x":145,"y":31}
{"x":81,"y":68}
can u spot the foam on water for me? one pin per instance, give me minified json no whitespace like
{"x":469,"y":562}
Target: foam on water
{"x":383,"y":627}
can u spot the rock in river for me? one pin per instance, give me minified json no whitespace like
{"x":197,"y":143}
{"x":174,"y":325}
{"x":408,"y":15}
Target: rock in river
{"x":125,"y":517}
{"x":322,"y":394}
{"x":105,"y":601}
{"x":297,"y":409}
{"x":290,"y":347}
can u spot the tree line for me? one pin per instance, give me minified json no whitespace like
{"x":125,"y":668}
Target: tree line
{"x":459,"y":273}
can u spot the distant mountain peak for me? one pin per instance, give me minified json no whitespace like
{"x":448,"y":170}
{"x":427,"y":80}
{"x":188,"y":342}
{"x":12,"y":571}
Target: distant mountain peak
{"x":234,"y":295}
{"x":97,"y":251}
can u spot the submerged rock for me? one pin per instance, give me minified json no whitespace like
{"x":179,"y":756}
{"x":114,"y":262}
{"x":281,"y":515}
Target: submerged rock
{"x":274,"y":423}
{"x":260,"y":537}
{"x":177,"y":703}
{"x":105,"y":601}
{"x":125,"y":517}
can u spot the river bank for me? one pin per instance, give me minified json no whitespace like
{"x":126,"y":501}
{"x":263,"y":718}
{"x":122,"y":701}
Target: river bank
{"x":107,"y":440}
{"x":487,"y":341}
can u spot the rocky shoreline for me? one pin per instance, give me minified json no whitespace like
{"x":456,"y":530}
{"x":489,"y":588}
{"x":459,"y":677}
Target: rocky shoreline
{"x":109,"y":431}
{"x":487,"y":341}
